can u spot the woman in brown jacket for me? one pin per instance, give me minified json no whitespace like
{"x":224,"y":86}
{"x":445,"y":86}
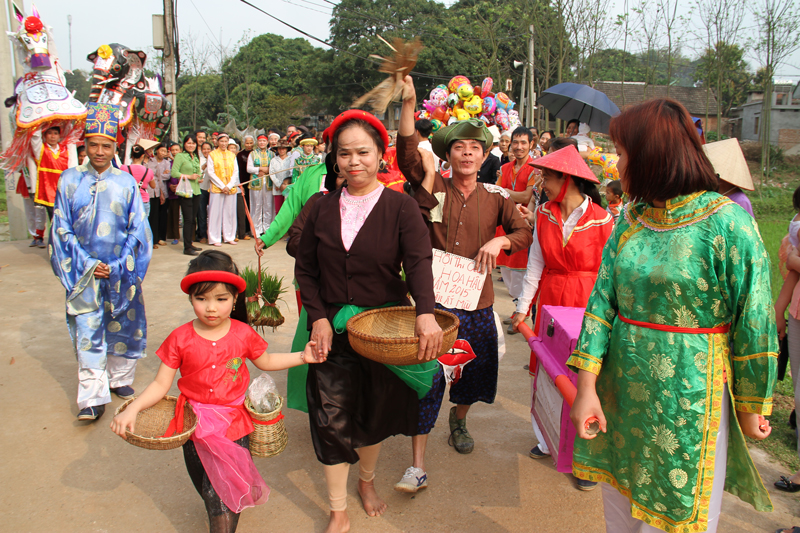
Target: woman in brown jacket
{"x":349,"y":258}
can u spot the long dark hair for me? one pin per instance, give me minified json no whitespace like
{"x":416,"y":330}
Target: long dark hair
{"x":190,"y":137}
{"x":215,"y":260}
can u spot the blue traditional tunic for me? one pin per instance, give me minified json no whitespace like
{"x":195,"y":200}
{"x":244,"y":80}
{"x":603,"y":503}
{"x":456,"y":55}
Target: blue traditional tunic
{"x":100,"y":218}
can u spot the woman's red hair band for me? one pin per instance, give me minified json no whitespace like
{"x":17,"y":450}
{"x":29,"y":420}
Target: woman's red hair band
{"x":219,"y":276}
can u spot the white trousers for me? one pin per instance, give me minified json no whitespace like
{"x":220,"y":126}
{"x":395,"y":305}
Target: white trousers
{"x":35,"y":215}
{"x":617,"y":508}
{"x":262,"y":207}
{"x":513,"y":280}
{"x":221,"y":217}
{"x":94,"y":383}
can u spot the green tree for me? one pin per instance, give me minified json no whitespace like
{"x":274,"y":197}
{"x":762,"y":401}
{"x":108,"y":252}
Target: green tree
{"x":200,"y":99}
{"x":608,"y":65}
{"x":78,"y":81}
{"x":735,"y":80}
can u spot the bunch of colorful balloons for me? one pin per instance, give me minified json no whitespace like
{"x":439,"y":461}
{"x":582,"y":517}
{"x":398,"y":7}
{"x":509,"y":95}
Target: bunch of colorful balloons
{"x":460,"y":100}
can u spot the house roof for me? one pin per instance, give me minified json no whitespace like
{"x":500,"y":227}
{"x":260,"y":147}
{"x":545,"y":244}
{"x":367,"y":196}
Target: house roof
{"x":693,"y":98}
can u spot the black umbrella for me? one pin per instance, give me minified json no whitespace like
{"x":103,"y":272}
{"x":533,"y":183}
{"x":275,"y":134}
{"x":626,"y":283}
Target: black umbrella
{"x":569,"y":101}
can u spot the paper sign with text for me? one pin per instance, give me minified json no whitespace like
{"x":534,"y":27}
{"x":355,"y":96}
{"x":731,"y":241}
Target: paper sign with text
{"x":456,"y":281}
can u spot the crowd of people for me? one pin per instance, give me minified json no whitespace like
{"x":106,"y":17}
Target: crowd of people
{"x":676,"y":359}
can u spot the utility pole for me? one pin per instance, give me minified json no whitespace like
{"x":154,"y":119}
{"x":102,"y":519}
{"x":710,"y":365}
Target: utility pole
{"x":69,"y":23}
{"x":522,"y":94}
{"x":531,"y":89}
{"x":17,"y":222}
{"x":169,"y":65}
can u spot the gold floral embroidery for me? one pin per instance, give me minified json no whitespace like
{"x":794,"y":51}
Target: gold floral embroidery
{"x":685,"y":318}
{"x":661,"y":366}
{"x":665,"y":439}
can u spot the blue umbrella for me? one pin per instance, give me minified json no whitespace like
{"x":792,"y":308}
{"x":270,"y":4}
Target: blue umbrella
{"x":569,"y":101}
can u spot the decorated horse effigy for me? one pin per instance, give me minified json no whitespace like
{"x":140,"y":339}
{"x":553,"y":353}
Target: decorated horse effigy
{"x":118,"y":78}
{"x":41,"y":100}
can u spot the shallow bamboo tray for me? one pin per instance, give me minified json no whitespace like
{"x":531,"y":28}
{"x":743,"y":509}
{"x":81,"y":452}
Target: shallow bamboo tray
{"x":151,"y":423}
{"x":386,"y":335}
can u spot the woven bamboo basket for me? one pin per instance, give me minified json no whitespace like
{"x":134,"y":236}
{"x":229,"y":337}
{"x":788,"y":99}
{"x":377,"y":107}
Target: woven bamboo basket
{"x":386,"y":335}
{"x":151,"y":423}
{"x":267,"y":440}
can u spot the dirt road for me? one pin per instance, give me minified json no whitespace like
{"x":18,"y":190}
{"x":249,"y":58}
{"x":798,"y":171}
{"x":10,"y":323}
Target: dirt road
{"x":59,"y":474}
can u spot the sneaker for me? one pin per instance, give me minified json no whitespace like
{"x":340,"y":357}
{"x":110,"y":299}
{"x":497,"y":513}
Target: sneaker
{"x":413,"y":480}
{"x":92,"y":413}
{"x":460,"y":438}
{"x":508,"y":320}
{"x":175,"y":241}
{"x":34,"y":243}
{"x":537,"y":453}
{"x":125,"y":392}
{"x":511,"y":330}
{"x":584,"y":484}
{"x":42,"y":244}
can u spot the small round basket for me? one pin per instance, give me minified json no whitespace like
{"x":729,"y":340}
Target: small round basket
{"x":386,"y":335}
{"x":269,"y":438}
{"x":154,"y":421}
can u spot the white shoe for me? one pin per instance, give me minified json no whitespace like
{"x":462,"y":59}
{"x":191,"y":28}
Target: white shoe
{"x":413,"y":480}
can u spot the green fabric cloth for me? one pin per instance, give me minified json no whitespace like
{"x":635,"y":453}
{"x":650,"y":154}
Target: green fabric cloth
{"x":308,"y":185}
{"x":418,"y":377}
{"x":296,"y":381}
{"x":698,"y":263}
{"x":186,"y":164}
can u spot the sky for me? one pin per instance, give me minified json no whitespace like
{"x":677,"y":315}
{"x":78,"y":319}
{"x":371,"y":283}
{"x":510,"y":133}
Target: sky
{"x":209,"y":20}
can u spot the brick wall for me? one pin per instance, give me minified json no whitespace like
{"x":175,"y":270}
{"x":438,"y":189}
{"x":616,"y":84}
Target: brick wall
{"x":788,"y":138}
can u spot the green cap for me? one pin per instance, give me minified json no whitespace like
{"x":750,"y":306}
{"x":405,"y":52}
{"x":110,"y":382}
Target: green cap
{"x":473,"y":129}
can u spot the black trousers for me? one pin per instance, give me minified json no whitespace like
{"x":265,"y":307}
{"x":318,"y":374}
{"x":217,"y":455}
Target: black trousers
{"x":202,"y":216}
{"x":189,"y":208}
{"x":220,"y":518}
{"x":241,"y":218}
{"x":158,"y":220}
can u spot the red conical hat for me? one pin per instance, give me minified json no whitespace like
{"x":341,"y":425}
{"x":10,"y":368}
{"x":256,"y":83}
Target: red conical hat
{"x":566,"y":160}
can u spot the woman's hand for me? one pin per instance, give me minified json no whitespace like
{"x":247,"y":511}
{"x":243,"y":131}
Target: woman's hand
{"x":124,"y":421}
{"x":102,"y":271}
{"x":226,"y":190}
{"x":586,"y":405}
{"x":173,"y":188}
{"x":163,"y":199}
{"x":487,"y":256}
{"x":753,"y":425}
{"x":430,"y":336}
{"x":259,"y":246}
{"x":322,"y":336}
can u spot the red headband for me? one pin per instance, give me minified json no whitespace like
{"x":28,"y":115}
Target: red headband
{"x":356,"y":114}
{"x":220,"y":276}
{"x":262,"y":136}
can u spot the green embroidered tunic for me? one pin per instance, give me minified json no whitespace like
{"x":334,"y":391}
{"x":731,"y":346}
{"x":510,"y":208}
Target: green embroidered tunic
{"x":698,"y":263}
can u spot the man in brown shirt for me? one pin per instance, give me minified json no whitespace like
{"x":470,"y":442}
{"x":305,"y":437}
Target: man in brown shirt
{"x":462,"y":216}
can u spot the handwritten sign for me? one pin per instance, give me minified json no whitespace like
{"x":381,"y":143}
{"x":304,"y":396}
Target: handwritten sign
{"x":456,"y":281}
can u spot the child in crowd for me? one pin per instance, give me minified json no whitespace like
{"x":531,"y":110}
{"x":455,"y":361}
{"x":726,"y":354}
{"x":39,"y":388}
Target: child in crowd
{"x":211,"y":353}
{"x":614,"y":198}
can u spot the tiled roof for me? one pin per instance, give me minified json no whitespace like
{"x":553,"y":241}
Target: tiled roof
{"x":694,"y":98}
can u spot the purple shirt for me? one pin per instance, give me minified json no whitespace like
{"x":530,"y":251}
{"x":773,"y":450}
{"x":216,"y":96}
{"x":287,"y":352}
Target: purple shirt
{"x":741,"y":198}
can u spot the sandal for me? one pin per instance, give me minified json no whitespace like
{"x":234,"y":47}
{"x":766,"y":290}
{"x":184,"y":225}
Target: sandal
{"x":794,"y":529}
{"x":786,"y":485}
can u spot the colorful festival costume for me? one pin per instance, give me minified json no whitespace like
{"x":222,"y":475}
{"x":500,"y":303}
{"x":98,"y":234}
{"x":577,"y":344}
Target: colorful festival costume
{"x":100,"y":218}
{"x":301,"y":163}
{"x":682,"y":300}
{"x":261,"y":202}
{"x":223,"y":171}
{"x":214,"y":380}
{"x":512,"y":267}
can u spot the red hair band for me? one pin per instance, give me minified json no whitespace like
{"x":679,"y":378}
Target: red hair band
{"x":219,"y":276}
{"x":356,"y":114}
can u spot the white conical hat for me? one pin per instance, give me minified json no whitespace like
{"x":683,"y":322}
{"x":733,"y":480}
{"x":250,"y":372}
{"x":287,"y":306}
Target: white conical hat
{"x":729,"y":163}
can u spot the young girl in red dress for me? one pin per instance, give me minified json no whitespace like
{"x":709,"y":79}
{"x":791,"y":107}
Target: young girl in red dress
{"x":211,"y":353}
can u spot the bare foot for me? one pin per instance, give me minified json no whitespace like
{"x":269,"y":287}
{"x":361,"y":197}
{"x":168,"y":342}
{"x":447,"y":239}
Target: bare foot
{"x":373,"y":505}
{"x":339,"y":522}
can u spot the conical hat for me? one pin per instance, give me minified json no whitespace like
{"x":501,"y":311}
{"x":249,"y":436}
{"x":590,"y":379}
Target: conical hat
{"x":566,"y":160}
{"x":729,"y":163}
